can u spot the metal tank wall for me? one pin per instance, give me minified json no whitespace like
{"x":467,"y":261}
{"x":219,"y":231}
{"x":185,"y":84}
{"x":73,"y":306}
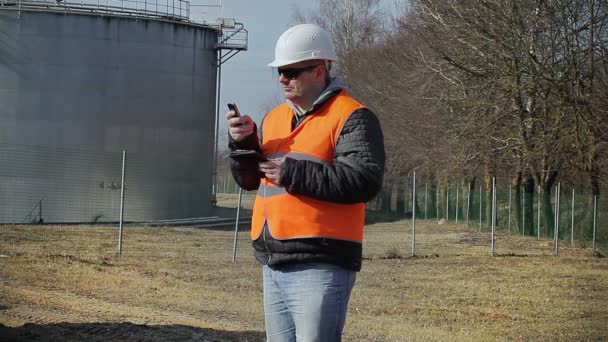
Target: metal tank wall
{"x":75,"y":90}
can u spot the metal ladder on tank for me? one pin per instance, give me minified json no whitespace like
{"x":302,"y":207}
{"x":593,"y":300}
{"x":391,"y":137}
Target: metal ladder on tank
{"x":232,"y":40}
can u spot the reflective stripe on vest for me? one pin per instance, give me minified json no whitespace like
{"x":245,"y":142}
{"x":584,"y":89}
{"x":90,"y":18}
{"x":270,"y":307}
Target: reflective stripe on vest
{"x":296,"y":216}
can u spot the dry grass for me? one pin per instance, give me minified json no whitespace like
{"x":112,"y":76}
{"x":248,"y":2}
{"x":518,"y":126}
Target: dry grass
{"x":183,"y":278}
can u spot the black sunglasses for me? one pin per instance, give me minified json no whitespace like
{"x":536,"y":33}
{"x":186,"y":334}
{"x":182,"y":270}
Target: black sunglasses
{"x":293,"y":73}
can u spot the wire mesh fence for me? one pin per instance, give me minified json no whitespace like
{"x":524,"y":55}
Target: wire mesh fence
{"x":56,"y":185}
{"x":562,"y":213}
{"x":67,"y":202}
{"x":39,"y":184}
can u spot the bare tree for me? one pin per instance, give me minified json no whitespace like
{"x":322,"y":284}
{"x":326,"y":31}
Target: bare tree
{"x":523,"y":69}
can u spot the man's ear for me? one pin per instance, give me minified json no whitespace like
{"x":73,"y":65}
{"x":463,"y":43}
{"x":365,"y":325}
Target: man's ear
{"x":321,"y":72}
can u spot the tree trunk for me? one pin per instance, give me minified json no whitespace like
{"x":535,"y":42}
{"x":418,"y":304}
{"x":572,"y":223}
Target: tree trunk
{"x":400,"y":206}
{"x":472,"y":202}
{"x":419,"y":199}
{"x":516,"y":201}
{"x":442,"y":198}
{"x":431,"y":199}
{"x":461,"y":204}
{"x":488,"y":201}
{"x":595,"y":191}
{"x":385,"y":197}
{"x":547,"y":210}
{"x":528,"y":205}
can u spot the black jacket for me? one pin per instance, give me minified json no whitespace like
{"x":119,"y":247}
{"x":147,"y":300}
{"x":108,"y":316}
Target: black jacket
{"x":354,"y":176}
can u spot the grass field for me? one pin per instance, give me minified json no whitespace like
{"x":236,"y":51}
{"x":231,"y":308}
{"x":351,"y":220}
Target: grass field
{"x":65,"y":283}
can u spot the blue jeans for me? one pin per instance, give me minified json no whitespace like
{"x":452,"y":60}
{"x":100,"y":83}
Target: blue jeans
{"x":306,"y":302}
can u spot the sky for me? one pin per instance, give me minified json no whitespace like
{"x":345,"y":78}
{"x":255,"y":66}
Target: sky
{"x":246,"y":78}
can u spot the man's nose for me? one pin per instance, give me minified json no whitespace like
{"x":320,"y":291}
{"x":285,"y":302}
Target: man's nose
{"x":283,"y":79}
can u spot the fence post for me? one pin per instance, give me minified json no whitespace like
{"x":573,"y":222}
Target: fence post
{"x":468,"y":203}
{"x":538,"y":218}
{"x":457,"y":193}
{"x":236,"y":224}
{"x":557,"y":194}
{"x":122,"y":203}
{"x":437,"y":202}
{"x":414,"y":216}
{"x":447,"y":204}
{"x":554,"y":212}
{"x":572,"y":223}
{"x":493,"y":215}
{"x":480,"y":199}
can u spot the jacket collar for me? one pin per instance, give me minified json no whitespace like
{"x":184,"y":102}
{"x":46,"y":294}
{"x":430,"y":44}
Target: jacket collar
{"x":333,"y":88}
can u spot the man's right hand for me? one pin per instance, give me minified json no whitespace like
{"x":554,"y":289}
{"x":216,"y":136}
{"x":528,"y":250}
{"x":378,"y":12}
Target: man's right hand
{"x":239,"y":127}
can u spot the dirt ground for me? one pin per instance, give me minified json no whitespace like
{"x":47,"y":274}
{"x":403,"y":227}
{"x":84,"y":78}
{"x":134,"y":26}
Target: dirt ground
{"x":66,"y":283}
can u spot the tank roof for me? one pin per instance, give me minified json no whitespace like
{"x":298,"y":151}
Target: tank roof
{"x":169,"y":10}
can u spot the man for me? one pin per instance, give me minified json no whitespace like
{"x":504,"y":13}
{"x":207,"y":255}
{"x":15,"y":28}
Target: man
{"x":325,"y":159}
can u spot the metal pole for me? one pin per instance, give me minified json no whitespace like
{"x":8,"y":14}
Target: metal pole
{"x":217,"y":126}
{"x":538,"y":219}
{"x":554,"y":212}
{"x":468,"y":203}
{"x":447,"y":204}
{"x":236,"y":224}
{"x":426,"y":189}
{"x":572,"y":223}
{"x":414,"y":216}
{"x":493,"y":215}
{"x":557,"y":195}
{"x":480,"y":207}
{"x":122,"y":202}
{"x":594,"y":219}
{"x":510,"y":190}
{"x":457,"y":193}
{"x":437,"y":203}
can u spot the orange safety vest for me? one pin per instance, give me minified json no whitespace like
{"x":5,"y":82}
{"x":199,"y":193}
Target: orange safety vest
{"x":297,"y":216}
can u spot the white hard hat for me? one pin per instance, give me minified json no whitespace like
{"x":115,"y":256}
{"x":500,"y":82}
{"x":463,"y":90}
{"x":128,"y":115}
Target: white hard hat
{"x":301,"y":43}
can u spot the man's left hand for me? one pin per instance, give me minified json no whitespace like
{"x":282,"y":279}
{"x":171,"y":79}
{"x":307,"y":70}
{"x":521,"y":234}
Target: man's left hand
{"x":273,"y":169}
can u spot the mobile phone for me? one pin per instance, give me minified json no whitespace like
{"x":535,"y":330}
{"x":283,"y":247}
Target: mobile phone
{"x":249,"y":154}
{"x":233,"y":107}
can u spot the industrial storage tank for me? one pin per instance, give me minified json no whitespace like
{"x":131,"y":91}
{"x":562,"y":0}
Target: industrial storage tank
{"x":81,"y":83}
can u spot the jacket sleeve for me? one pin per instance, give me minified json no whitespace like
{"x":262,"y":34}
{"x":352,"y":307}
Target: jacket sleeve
{"x":245,"y":171}
{"x":354,"y":176}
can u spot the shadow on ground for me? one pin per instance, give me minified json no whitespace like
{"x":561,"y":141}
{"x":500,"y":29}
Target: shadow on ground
{"x":97,"y":332}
